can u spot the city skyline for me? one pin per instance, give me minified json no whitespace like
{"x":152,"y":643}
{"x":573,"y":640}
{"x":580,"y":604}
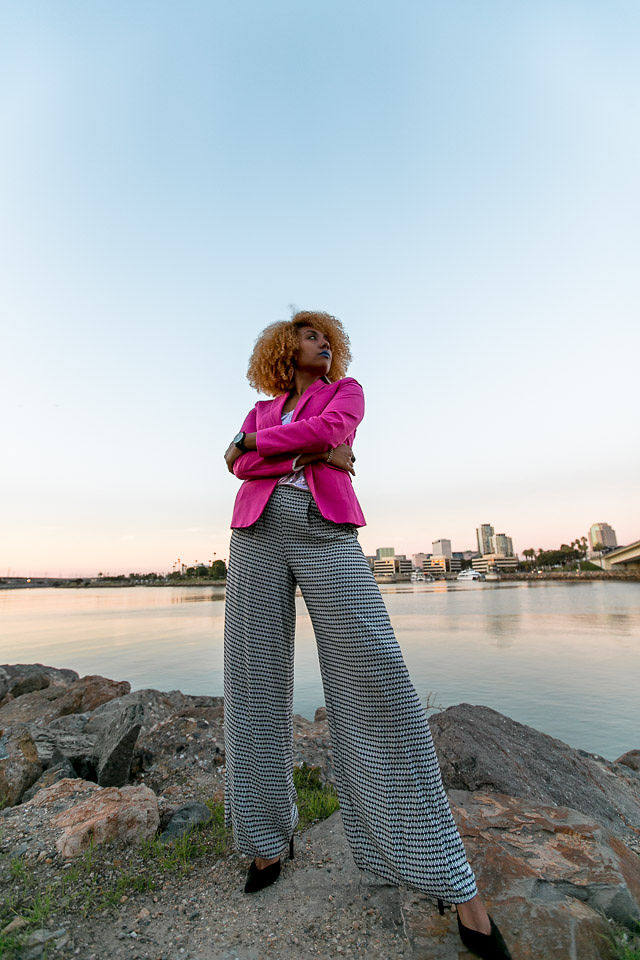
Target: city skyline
{"x":379,"y":552}
{"x":456,"y":183}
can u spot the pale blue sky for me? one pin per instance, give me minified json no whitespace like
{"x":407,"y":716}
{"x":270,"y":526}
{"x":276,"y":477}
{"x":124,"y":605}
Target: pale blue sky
{"x":457,"y":182}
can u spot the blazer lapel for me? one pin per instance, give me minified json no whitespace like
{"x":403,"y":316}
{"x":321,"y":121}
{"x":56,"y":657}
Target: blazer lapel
{"x":315,"y":387}
{"x":275,"y":410}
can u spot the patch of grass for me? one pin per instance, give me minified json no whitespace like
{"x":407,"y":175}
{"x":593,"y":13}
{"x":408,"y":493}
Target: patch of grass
{"x":626,"y":943}
{"x":316,"y":801}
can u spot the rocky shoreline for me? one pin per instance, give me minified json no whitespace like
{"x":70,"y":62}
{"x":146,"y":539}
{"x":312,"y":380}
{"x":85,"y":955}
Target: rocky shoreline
{"x":553,"y":833}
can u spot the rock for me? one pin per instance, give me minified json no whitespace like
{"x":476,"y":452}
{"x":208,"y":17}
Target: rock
{"x":116,"y":746}
{"x":157,"y":706}
{"x":78,"y":749}
{"x":185,"y":819}
{"x":29,"y":683}
{"x":59,"y":771}
{"x":129,"y":813}
{"x":631,"y":759}
{"x":320,"y":714}
{"x":547,"y":854}
{"x":39,"y":941}
{"x":481,"y":749}
{"x":55,"y":674}
{"x":5,"y":680}
{"x":16,"y":924}
{"x":173,"y":747}
{"x":62,"y":794}
{"x":61,"y":698}
{"x":19,"y":764}
{"x":71,"y":723}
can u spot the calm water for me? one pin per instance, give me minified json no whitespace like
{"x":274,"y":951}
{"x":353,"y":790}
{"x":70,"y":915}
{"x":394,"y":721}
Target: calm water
{"x":564,"y":658}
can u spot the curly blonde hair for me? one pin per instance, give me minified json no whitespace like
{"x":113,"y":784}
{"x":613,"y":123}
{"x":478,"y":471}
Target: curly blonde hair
{"x":271,"y":366}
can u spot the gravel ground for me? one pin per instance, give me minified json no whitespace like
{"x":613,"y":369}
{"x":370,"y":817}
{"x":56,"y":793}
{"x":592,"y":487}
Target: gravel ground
{"x":321,"y":906}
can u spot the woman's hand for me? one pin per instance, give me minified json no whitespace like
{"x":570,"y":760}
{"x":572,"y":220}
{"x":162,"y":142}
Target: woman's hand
{"x":231,"y":454}
{"x":342,"y":457}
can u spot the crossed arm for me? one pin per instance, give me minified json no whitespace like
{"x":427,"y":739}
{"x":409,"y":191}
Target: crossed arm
{"x":273,"y":450}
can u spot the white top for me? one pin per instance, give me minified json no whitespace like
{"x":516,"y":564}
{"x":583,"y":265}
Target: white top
{"x":296,"y":478}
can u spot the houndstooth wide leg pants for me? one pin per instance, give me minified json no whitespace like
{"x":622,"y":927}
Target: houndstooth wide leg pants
{"x":395,"y":811}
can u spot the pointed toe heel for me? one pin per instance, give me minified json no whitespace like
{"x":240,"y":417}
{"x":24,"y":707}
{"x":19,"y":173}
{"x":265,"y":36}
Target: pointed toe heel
{"x":487,"y":946}
{"x":257,"y":879}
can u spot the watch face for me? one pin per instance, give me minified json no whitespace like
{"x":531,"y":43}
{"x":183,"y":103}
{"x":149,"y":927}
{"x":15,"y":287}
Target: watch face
{"x":238,"y":437}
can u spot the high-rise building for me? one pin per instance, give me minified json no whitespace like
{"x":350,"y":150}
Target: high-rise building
{"x":502,"y":545}
{"x":441,"y":548}
{"x":484,"y":534}
{"x":383,"y":552}
{"x":602,"y":534}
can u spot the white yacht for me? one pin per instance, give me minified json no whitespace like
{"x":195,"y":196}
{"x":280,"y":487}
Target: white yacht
{"x":470,"y":574}
{"x":417,"y":576}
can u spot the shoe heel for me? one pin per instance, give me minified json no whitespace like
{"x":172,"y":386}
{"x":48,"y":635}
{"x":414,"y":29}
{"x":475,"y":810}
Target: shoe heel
{"x":291,"y":848}
{"x":440,"y":907}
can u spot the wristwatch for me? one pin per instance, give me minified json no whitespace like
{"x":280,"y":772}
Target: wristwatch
{"x":239,"y":441}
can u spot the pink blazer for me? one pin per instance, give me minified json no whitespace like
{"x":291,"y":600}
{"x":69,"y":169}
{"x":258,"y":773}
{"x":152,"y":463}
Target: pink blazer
{"x":326,"y":415}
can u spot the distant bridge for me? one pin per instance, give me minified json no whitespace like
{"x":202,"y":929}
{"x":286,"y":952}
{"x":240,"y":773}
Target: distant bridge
{"x":623,"y":558}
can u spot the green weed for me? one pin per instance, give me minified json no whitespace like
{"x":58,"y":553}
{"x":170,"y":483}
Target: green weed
{"x":316,"y":801}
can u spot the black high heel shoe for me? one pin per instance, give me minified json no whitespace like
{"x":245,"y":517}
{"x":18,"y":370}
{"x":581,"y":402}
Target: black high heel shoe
{"x":488,"y":946}
{"x":258,"y":878}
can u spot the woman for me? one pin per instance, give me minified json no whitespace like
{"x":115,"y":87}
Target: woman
{"x":295,"y":522}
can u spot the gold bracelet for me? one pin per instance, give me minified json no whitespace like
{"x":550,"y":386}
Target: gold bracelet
{"x":328,"y":460}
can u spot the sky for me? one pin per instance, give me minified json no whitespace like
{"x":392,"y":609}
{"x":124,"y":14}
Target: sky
{"x":458,"y":183}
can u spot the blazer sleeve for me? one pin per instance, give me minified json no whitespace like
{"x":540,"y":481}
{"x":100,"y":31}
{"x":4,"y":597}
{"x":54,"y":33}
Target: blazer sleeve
{"x":250,"y":465}
{"x":337,"y":421}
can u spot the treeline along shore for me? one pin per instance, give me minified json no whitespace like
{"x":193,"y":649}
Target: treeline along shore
{"x":570,"y":576}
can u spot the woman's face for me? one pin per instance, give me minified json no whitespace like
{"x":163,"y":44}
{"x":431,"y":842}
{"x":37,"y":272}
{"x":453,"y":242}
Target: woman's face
{"x":314,"y":351}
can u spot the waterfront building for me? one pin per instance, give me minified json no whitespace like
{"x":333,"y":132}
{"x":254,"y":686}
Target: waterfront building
{"x":603,"y":534}
{"x":503,"y":545}
{"x":464,"y":556}
{"x":484,"y":536}
{"x":384,"y":552}
{"x":419,"y":560}
{"x":391,"y":565}
{"x":440,"y":565}
{"x":441,"y":548}
{"x":494,"y":561}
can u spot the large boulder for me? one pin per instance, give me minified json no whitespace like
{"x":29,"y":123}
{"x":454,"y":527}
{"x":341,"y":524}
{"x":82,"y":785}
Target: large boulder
{"x":72,"y":813}
{"x":129,"y":813}
{"x":113,"y":764}
{"x":481,"y":749}
{"x":61,"y":698}
{"x":156,"y":706}
{"x":18,"y":672}
{"x":78,"y":748}
{"x":59,"y":770}
{"x":19,"y":763}
{"x":30,"y":682}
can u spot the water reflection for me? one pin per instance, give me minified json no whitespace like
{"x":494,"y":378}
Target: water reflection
{"x":563,"y":658}
{"x":503,"y":628}
{"x":198,"y":598}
